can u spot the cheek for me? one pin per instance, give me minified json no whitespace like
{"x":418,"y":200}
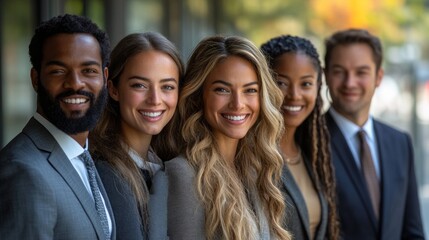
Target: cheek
{"x":284,"y":91}
{"x":255,"y":105}
{"x":52,"y":86}
{"x":129,"y":99}
{"x":171,"y":99}
{"x":311,"y":98}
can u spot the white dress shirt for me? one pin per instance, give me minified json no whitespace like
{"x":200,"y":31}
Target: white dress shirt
{"x":350,"y":132}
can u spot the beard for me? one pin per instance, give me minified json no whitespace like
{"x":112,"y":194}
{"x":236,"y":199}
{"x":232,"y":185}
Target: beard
{"x":73,"y":124}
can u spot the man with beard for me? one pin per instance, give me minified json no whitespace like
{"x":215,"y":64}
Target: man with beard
{"x":48,"y":186}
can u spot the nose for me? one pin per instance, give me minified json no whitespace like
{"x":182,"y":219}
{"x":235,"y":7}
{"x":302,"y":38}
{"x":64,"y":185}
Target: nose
{"x":154,"y":96}
{"x":293,"y":92}
{"x":349,"y":80}
{"x":237,"y":101}
{"x":74,"y":81}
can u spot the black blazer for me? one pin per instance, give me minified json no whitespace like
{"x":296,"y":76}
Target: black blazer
{"x":296,"y":218}
{"x":399,"y":208}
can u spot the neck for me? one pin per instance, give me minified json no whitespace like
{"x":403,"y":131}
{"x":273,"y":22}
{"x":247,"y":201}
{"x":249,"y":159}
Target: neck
{"x":288,"y":145}
{"x":80,"y":137}
{"x":140,"y":144}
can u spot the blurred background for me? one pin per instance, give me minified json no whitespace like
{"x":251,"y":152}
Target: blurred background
{"x":402,"y":100}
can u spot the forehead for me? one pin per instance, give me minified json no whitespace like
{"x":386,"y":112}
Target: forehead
{"x":356,"y":52}
{"x":152,"y":64}
{"x":233,"y":67}
{"x":71,"y":47}
{"x":293,"y":58}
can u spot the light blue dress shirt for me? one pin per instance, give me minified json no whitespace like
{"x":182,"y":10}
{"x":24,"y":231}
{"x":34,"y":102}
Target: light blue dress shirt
{"x":350,"y":132}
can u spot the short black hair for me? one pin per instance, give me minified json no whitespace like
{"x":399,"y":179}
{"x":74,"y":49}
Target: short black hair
{"x":66,"y":23}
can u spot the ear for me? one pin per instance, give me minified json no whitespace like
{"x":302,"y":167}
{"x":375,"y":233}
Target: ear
{"x":379,"y":77}
{"x":34,"y":75}
{"x":113,"y":91}
{"x":106,"y":73}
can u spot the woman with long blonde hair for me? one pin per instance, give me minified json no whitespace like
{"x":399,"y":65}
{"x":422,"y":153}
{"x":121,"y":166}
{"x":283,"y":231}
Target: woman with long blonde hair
{"x":224,"y":183}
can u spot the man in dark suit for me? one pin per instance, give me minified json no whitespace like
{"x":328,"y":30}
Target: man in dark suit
{"x":376,"y":184}
{"x":48,"y":189}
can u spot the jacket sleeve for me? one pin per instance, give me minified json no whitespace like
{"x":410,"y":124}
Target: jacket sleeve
{"x":27,"y":203}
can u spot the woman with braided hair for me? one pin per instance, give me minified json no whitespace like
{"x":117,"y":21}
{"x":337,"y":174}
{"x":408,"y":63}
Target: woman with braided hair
{"x":308,"y":181}
{"x":225,"y":182}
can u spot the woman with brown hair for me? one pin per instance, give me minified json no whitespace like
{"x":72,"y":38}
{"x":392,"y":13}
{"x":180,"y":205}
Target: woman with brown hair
{"x":145,"y":72}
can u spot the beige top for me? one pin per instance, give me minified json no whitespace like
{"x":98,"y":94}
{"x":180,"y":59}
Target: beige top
{"x":308,"y":191}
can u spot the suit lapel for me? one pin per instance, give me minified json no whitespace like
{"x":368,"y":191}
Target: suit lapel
{"x":296,"y":196}
{"x":341,"y":154}
{"x":59,"y":161}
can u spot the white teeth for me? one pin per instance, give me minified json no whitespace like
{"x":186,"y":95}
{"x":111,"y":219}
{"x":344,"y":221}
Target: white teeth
{"x":235,"y":118}
{"x":74,"y":100}
{"x":292,"y":108}
{"x":151,"y":114}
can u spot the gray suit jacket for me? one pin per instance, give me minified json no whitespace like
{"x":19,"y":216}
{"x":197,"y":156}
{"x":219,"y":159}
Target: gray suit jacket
{"x":296,"y":218}
{"x":186,"y":217}
{"x":42,"y":195}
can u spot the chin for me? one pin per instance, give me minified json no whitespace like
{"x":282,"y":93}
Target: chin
{"x":237,"y":136}
{"x":152,"y":131}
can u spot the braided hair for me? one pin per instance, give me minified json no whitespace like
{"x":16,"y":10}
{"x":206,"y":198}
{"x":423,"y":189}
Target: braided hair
{"x":312,"y":135}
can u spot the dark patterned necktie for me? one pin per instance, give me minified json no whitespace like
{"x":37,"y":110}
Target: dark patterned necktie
{"x":99,"y":206}
{"x":368,"y":170}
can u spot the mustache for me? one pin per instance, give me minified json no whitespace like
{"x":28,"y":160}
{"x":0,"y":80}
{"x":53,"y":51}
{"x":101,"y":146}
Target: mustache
{"x":78,"y":92}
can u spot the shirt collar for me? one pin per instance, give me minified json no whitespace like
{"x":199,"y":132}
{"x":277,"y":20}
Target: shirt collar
{"x":350,"y":129}
{"x":154,"y":163}
{"x":70,"y":147}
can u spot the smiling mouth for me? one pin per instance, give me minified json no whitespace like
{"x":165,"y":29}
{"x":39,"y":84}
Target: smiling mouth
{"x":75,"y":100}
{"x":292,"y":108}
{"x":235,"y":117}
{"x":151,"y":114}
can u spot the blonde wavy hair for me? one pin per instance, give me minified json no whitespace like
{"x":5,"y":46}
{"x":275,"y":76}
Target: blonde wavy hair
{"x":224,"y":191}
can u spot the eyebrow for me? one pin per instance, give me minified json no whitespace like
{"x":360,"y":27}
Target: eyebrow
{"x":303,"y":77}
{"x":59,"y":63}
{"x":359,"y":67}
{"x":229,"y":84}
{"x":148,"y":80}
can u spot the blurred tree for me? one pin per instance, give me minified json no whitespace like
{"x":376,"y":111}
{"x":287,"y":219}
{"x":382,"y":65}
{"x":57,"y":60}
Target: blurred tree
{"x":395,"y":21}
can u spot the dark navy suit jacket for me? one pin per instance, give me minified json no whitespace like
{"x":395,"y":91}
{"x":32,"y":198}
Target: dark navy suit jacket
{"x":399,"y":208}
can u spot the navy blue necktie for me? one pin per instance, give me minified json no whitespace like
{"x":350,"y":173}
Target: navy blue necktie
{"x":99,"y":205}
